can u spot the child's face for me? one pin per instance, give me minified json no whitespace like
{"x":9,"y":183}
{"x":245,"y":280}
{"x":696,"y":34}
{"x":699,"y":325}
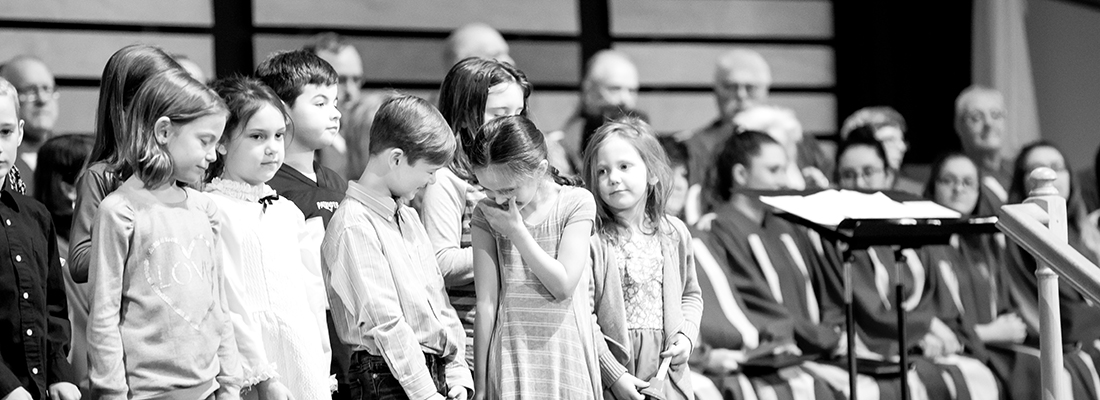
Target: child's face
{"x":191,"y":145}
{"x":680,"y":185}
{"x":621,"y":176}
{"x":504,"y":99}
{"x":255,"y":152}
{"x":315,"y":119}
{"x":767,"y":170}
{"x":500,"y":183}
{"x":409,"y":177}
{"x":11,"y":134}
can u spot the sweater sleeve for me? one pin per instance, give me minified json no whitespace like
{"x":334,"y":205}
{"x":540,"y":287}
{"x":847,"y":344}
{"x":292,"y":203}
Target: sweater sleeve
{"x":692,"y":300}
{"x":91,"y":189}
{"x":112,"y":235}
{"x":611,"y":369}
{"x":442,"y":216}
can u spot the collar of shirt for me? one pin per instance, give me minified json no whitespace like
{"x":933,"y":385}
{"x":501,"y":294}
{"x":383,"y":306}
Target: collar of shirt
{"x":385,"y":207}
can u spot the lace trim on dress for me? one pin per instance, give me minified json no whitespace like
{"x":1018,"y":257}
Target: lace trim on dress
{"x":240,"y":190}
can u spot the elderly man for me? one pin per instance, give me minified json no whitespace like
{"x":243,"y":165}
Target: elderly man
{"x":741,"y":79}
{"x":609,"y":89}
{"x":980,"y":124}
{"x":475,"y":40}
{"x":38,"y":109}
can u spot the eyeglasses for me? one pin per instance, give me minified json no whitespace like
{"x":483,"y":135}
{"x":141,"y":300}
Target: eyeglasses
{"x":950,"y":181}
{"x":852,"y":175}
{"x":35,"y":93}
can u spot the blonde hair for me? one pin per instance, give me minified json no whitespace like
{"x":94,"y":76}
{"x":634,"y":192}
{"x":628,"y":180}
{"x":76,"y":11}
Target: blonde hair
{"x":179,"y":97}
{"x":8,"y":90}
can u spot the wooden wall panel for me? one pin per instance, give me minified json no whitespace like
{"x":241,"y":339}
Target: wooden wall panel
{"x":731,"y":18}
{"x":693,"y":64}
{"x":421,"y":60}
{"x":518,"y":16}
{"x":77,"y":110}
{"x":674,"y":112}
{"x":82,"y":54}
{"x":141,"y":12}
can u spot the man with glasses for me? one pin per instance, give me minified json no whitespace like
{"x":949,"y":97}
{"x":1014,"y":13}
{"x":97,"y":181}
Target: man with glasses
{"x":980,"y":124}
{"x":38,"y":108}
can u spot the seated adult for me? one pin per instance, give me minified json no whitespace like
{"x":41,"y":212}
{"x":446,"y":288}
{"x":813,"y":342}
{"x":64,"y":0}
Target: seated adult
{"x":38,"y":108}
{"x":806,"y":170}
{"x":949,"y":358}
{"x":886,"y":125}
{"x":475,"y":40}
{"x":980,"y":124}
{"x":1079,"y":315}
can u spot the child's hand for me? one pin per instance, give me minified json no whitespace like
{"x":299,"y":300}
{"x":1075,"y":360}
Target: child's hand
{"x":21,"y":394}
{"x":679,"y":349}
{"x":627,"y":387}
{"x":457,"y":393}
{"x":64,"y":391}
{"x":272,"y":389}
{"x":506,"y":221}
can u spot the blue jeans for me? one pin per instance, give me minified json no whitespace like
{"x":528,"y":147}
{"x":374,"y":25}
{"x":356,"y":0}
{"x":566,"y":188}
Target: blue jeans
{"x":369,"y":377}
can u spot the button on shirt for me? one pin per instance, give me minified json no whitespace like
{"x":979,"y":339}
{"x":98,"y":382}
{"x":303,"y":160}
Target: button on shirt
{"x":34,"y":326}
{"x":386,"y":292}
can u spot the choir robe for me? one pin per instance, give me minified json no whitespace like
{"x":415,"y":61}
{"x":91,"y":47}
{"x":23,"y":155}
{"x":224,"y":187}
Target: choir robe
{"x":1080,"y":332}
{"x":779,"y":275}
{"x":727,"y":323}
{"x":874,"y":276}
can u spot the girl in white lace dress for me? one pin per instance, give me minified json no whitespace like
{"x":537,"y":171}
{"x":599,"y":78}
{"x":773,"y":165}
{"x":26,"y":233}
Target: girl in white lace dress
{"x":278,"y":312}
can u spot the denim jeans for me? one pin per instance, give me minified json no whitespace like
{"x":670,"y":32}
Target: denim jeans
{"x":370,"y":378}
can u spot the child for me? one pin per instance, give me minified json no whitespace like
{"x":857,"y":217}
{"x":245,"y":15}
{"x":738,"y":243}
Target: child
{"x":533,"y":334}
{"x":307,"y":84}
{"x":279,"y":326}
{"x":159,"y":326}
{"x":474,"y":92}
{"x":104,"y":171}
{"x":60,"y":160}
{"x":385,"y":288}
{"x":32,"y":364}
{"x":648,"y":302}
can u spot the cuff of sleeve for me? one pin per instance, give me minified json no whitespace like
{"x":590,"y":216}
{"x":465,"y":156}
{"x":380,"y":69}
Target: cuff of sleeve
{"x":60,"y":371}
{"x":610,"y":369}
{"x":420,"y":386}
{"x":259,"y":375}
{"x":229,"y":383}
{"x":460,"y":376}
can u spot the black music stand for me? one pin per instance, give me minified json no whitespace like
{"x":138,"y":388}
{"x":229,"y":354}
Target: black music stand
{"x":898,"y":233}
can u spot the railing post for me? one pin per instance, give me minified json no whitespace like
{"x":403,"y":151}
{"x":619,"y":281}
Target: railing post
{"x":1045,"y":195}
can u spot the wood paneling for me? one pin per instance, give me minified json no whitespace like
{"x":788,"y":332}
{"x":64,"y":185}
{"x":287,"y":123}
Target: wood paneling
{"x":141,"y":12}
{"x":674,"y":112}
{"x":421,"y":60}
{"x":82,"y":54}
{"x":693,"y":64}
{"x":77,"y":110}
{"x":731,"y":18}
{"x":517,"y":16}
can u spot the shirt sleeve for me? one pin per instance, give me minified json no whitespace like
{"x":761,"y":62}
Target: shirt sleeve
{"x":691,"y":302}
{"x":58,"y":328}
{"x":90,"y":192}
{"x":584,"y":208}
{"x":369,"y":289}
{"x":442,"y":216}
{"x":111,"y":236}
{"x":229,"y":359}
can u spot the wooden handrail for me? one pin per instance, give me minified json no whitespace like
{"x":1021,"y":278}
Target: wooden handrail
{"x":1023,"y":224}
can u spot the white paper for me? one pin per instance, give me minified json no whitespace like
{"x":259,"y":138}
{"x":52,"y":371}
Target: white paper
{"x":830,"y":207}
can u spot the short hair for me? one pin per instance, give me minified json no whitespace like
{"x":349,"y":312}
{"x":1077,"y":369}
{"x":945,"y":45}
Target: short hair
{"x":764,"y":118}
{"x":288,"y":72}
{"x":125,"y":72}
{"x":600,"y":56}
{"x":740,"y":149}
{"x":514,"y":142}
{"x":60,"y":159}
{"x":968,"y":95}
{"x":243,"y":97}
{"x":9,"y":90}
{"x":326,"y":41}
{"x":981,"y":207}
{"x":462,"y":99}
{"x":876,"y":117}
{"x":411,"y":124}
{"x":742,"y":57}
{"x":179,"y":97}
{"x":640,"y":135}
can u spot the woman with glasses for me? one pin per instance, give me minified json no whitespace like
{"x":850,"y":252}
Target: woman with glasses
{"x":1079,"y":329}
{"x":947,"y":357}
